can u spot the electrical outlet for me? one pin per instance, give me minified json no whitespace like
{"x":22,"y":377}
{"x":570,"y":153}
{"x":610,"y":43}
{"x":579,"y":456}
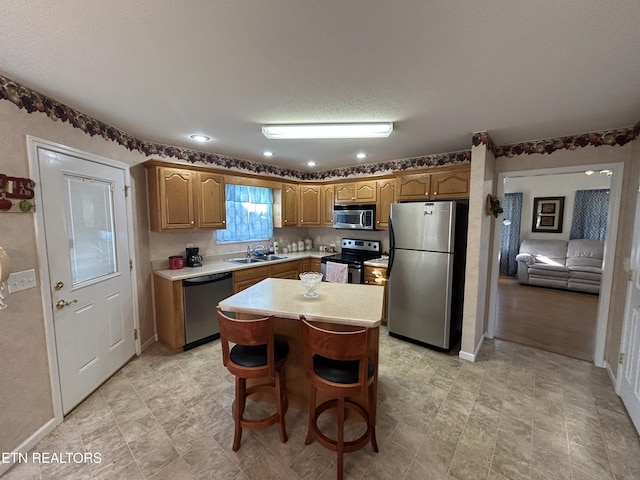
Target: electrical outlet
{"x":22,"y":280}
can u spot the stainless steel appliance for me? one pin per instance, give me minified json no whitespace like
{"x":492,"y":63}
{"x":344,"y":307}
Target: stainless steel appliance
{"x":354,"y":217}
{"x":201,"y":297}
{"x":426,"y":271}
{"x":354,"y":253}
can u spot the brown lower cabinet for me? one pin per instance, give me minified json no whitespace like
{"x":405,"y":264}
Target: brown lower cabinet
{"x":377,"y":276}
{"x":169,"y":301}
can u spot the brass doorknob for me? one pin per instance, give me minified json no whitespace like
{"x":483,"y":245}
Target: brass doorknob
{"x":62,"y":303}
{"x":58,"y":285}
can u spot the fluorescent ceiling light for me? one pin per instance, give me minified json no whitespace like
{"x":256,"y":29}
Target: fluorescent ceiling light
{"x":267,"y":154}
{"x":328,"y":130}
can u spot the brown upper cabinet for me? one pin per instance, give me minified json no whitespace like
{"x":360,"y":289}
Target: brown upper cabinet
{"x":182,"y":199}
{"x":386,"y":194}
{"x":290,"y":193}
{"x":310,"y":205}
{"x":328,"y":199}
{"x":447,"y":185}
{"x":359,"y":192}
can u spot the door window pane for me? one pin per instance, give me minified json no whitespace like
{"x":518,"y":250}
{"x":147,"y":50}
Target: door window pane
{"x":90,"y":223}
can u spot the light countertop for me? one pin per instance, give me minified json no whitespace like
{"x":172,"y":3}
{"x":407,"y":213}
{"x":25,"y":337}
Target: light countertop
{"x":382,"y":262}
{"x":219,"y":265}
{"x":338,"y":303}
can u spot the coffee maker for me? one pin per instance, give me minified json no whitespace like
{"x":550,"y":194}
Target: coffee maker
{"x":192,"y":257}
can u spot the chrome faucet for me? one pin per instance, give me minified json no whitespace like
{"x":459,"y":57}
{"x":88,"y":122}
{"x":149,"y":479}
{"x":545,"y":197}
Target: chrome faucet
{"x":252,"y":251}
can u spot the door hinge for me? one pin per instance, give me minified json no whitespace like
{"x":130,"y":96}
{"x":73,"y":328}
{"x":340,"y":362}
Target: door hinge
{"x":135,"y":334}
{"x":621,"y":358}
{"x":130,"y":264}
{"x":126,"y":190}
{"x":632,"y":275}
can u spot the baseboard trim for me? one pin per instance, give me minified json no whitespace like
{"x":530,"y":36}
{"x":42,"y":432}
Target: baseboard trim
{"x":31,"y":442}
{"x":153,"y":339}
{"x":471,"y":357}
{"x":612,"y":377}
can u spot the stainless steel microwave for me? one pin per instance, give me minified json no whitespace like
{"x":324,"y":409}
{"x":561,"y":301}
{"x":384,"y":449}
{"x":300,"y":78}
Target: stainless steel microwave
{"x":354,"y":217}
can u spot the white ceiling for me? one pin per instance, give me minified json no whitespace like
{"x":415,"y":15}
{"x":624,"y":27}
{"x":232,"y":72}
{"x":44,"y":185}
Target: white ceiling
{"x":440,"y":70}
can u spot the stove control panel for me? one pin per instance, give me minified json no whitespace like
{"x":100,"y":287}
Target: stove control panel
{"x":372,"y":246}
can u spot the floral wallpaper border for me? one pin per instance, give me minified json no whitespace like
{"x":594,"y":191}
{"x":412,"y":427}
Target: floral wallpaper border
{"x":612,"y":138}
{"x":34,"y":102}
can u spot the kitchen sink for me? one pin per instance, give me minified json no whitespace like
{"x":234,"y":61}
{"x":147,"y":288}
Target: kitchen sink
{"x":243,"y":260}
{"x":258,"y":259}
{"x":266,"y":258}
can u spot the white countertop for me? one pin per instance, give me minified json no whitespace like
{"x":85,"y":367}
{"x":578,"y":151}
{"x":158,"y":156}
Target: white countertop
{"x":338,"y":303}
{"x":382,"y":262}
{"x":220,"y":266}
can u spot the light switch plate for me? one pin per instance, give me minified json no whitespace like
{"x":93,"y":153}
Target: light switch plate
{"x":22,"y":280}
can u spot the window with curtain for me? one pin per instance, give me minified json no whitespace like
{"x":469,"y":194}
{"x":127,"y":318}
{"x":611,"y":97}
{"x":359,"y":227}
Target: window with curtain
{"x":249,"y":214}
{"x":590,"y":214}
{"x":510,"y":239}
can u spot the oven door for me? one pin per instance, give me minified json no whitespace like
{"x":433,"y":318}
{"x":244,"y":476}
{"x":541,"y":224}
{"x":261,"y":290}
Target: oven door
{"x":355,"y":273}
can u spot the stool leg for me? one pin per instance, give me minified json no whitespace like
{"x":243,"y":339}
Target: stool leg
{"x":340,"y":440}
{"x":238,"y":411}
{"x":280,"y":399}
{"x":372,"y":399}
{"x":312,"y":416}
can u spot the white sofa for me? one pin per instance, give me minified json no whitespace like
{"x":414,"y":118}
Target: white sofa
{"x":570,"y":265}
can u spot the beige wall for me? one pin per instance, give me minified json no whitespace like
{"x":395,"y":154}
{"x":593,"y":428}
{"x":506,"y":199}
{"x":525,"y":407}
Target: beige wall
{"x":25,"y":389}
{"x":478,"y":244}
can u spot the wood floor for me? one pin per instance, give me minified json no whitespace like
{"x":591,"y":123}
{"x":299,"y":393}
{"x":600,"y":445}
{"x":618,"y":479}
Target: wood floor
{"x":557,"y":321}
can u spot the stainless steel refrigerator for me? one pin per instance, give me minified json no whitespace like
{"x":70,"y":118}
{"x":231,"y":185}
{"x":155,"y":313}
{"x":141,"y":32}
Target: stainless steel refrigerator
{"x":426,"y":271}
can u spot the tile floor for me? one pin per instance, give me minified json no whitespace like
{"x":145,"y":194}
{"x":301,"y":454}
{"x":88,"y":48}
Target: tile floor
{"x":517,"y":413}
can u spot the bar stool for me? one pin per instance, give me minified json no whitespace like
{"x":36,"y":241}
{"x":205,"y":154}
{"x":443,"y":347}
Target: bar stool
{"x":256,"y":354}
{"x":337,"y":364}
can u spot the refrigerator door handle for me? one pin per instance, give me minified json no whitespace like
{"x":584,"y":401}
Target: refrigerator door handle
{"x":392,"y":245}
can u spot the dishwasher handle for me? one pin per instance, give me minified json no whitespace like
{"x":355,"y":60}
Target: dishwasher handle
{"x":204,"y":279}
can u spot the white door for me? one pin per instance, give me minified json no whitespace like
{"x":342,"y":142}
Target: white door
{"x":85,"y":225}
{"x":629,"y":370}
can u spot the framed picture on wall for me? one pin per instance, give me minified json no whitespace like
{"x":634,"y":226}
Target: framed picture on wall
{"x":547,"y":214}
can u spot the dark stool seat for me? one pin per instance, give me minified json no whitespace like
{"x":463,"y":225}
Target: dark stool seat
{"x":257,"y":353}
{"x":337,"y":364}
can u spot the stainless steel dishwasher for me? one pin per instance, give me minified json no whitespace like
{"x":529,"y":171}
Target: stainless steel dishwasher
{"x":201,"y":296}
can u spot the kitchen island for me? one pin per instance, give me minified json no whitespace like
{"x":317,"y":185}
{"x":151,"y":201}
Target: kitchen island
{"x":338,"y":307}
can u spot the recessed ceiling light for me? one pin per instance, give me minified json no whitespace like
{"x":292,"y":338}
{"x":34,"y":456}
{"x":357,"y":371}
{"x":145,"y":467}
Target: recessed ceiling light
{"x":361,"y":155}
{"x":311,"y":163}
{"x":199,"y":137}
{"x":328,"y":130}
{"x":589,"y":172}
{"x":267,"y":154}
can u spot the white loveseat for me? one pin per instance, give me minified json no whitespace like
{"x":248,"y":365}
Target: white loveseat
{"x":570,"y":265}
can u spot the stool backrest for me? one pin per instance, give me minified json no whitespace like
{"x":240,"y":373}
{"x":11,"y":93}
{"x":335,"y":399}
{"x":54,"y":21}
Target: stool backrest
{"x":336,"y":345}
{"x":252,"y":332}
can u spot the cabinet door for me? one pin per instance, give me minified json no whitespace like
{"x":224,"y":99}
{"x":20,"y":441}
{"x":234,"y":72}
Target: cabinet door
{"x":310,"y":205}
{"x":245,"y":278}
{"x":285,"y":269}
{"x":327,"y":206}
{"x":210,"y":201}
{"x":414,"y":187}
{"x":450,"y":185}
{"x":345,"y":193}
{"x":365,"y":192}
{"x":315,"y":265}
{"x":305,"y":265}
{"x":386,"y":196}
{"x":175,"y":199}
{"x":289,"y":205}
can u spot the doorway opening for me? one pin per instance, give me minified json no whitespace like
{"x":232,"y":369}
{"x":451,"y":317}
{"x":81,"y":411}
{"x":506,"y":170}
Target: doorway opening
{"x":571,"y":323}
